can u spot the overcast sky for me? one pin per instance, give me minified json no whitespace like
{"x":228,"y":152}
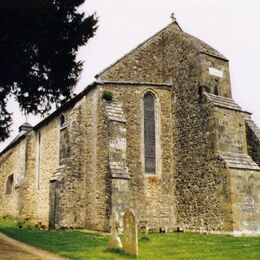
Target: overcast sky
{"x":231,"y":27}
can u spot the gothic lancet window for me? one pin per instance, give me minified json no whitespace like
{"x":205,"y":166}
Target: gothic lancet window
{"x":149,"y":133}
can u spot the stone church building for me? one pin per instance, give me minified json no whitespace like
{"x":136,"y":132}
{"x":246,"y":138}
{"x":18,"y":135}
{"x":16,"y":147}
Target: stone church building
{"x":158,"y":131}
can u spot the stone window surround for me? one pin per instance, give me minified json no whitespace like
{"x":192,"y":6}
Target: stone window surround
{"x":157,"y":134}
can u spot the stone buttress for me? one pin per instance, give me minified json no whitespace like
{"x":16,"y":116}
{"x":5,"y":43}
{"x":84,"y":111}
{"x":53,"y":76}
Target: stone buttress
{"x":117,"y":161}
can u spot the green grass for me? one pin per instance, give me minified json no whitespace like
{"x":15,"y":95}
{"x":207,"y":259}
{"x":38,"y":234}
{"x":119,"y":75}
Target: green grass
{"x":79,"y":245}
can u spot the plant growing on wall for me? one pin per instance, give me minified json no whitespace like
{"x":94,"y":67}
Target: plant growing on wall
{"x":107,"y":95}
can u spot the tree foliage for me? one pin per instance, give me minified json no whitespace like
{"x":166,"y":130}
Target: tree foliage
{"x":39,"y":40}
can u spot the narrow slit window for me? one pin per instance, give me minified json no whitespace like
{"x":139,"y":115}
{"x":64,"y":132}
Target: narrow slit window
{"x":64,"y":141}
{"x":10,"y":184}
{"x":38,"y":160}
{"x":149,"y":134}
{"x":216,"y":90}
{"x":62,"y":120}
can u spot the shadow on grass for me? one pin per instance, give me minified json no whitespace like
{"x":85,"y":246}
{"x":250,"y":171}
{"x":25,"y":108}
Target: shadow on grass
{"x":81,"y":245}
{"x":57,"y":241}
{"x":144,"y":238}
{"x":118,"y":251}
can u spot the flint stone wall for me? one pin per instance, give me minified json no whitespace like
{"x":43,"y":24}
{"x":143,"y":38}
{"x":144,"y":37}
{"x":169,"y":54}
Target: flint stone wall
{"x":200,"y":182}
{"x":13,"y":162}
{"x":82,"y":185}
{"x":152,"y":196}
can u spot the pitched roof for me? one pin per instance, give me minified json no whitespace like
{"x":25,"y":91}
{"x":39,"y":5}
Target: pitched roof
{"x":196,"y":43}
{"x":65,"y":106}
{"x":68,"y":104}
{"x":173,"y":27}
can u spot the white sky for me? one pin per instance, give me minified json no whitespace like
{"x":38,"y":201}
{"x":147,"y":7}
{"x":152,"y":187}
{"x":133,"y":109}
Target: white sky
{"x":231,"y":27}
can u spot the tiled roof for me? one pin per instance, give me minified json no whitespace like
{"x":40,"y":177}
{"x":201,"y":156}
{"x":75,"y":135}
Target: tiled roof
{"x":239,"y":161}
{"x":223,"y":101}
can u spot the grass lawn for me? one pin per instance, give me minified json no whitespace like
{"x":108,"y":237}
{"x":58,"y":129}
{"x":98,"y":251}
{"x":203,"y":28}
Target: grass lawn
{"x":79,"y":245}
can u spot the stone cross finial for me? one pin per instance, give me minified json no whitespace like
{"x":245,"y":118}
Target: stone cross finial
{"x":173,"y":17}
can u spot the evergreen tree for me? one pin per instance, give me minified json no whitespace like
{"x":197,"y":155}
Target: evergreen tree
{"x":39,"y":40}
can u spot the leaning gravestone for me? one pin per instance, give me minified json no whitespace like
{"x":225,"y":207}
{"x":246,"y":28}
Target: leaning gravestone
{"x":115,"y":241}
{"x":130,"y":233}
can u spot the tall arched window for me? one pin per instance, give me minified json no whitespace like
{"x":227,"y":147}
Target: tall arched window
{"x":149,"y":133}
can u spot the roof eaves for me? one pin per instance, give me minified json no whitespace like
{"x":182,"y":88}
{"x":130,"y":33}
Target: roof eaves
{"x":19,"y":137}
{"x":67,"y":105}
{"x":168,"y":85}
{"x":214,"y":55}
{"x":52,"y":115}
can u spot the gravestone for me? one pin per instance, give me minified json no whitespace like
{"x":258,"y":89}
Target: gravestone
{"x":115,"y":241}
{"x":130,"y":233}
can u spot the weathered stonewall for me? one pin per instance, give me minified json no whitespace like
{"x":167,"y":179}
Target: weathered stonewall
{"x":115,"y":241}
{"x":130,"y":233}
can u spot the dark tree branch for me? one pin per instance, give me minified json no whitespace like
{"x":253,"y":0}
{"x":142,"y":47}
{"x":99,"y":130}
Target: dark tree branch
{"x":43,"y":32}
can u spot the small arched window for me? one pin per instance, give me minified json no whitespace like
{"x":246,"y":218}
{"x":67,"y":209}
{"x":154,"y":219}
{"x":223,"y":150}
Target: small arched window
{"x":149,"y":133}
{"x":10,"y":184}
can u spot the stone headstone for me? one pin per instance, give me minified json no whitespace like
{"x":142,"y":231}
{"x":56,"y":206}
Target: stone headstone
{"x":115,"y":241}
{"x":130,"y":233}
